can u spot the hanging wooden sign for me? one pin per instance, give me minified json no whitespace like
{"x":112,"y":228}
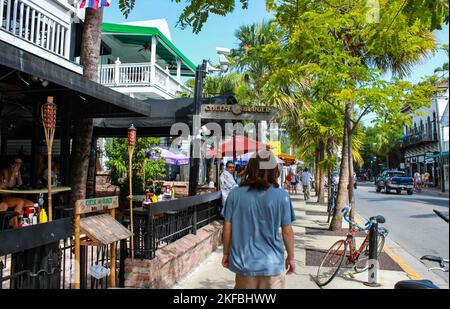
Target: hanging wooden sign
{"x":96,"y":204}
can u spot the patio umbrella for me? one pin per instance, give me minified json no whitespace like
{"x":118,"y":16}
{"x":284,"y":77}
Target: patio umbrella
{"x":243,"y":145}
{"x":246,"y":157}
{"x":172,"y":156}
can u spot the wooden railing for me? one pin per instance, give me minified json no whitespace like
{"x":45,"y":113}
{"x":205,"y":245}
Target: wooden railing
{"x":23,"y":19}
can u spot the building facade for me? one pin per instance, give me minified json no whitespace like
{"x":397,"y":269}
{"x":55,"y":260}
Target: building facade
{"x":143,"y":61}
{"x":423,"y":140}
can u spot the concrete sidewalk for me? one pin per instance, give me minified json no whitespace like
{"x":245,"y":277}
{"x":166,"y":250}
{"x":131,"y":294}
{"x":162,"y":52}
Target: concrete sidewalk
{"x":312,"y":240}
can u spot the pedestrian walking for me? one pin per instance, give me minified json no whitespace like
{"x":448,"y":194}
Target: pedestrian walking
{"x":254,"y":214}
{"x":227,"y":181}
{"x":306,"y":181}
{"x":294,"y":182}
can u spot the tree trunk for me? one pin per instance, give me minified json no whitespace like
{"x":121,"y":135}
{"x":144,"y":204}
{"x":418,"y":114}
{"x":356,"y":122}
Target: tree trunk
{"x":329,"y":158}
{"x":321,"y":184}
{"x":351,"y":192}
{"x":387,"y":161}
{"x":90,"y":54}
{"x":336,"y":222}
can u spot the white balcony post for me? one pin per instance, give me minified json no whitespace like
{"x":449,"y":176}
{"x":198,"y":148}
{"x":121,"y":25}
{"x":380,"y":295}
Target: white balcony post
{"x":167,"y":71}
{"x":67,"y":43}
{"x":178,"y":73}
{"x":1,"y":12}
{"x":117,"y":72}
{"x":153,"y":61}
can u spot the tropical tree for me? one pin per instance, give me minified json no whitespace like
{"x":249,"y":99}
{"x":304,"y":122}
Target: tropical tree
{"x":146,"y":172}
{"x":339,"y":55}
{"x":251,"y":39}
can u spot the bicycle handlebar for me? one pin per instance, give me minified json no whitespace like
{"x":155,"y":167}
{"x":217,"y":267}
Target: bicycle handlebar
{"x":367,"y":227}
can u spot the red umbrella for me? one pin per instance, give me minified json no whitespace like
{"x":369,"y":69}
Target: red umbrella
{"x":242,"y":144}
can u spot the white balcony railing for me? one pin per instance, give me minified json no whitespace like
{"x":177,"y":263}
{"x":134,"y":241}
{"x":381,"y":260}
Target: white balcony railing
{"x":24,"y":19}
{"x":139,"y":74}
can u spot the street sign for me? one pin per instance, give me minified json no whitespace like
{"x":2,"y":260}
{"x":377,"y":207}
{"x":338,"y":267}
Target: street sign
{"x":96,"y":204}
{"x":237,"y":112}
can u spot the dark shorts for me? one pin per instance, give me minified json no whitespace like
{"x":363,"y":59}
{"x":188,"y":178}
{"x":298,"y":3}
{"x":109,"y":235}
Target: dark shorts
{"x":293,"y":183}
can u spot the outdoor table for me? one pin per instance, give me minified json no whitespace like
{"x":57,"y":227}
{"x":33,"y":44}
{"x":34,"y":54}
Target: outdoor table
{"x":55,"y":190}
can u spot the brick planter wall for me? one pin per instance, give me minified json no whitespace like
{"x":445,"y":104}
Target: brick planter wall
{"x":173,"y":261}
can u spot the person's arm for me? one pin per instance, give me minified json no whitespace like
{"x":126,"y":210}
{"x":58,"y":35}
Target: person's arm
{"x":288,"y":239}
{"x":226,"y":244}
{"x":228,"y":182}
{"x":19,"y":179}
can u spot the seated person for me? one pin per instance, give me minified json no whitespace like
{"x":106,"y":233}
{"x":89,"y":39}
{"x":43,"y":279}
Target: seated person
{"x":16,"y":204}
{"x":54,"y":176}
{"x":10,"y":177}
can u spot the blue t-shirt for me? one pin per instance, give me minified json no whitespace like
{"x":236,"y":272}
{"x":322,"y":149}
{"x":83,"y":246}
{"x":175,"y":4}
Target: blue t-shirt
{"x":256,"y":217}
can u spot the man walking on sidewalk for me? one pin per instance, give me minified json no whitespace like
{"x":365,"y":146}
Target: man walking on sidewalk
{"x":254,"y":213}
{"x":227,"y":182}
{"x":306,"y":181}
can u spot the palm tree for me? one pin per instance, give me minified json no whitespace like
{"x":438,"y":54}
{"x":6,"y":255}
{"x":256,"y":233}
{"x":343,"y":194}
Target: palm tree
{"x":251,"y":39}
{"x":90,"y":52}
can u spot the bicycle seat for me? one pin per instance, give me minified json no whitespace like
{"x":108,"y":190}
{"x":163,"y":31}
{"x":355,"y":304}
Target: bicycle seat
{"x":415,"y":285}
{"x":379,"y":219}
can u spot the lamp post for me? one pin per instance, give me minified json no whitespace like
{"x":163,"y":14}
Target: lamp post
{"x":200,"y":74}
{"x":131,"y":145}
{"x":48,"y":114}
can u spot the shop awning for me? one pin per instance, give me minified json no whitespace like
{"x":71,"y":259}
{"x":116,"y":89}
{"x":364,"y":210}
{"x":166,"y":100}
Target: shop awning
{"x":287,"y":158}
{"x":165,"y":113}
{"x":437,"y":155}
{"x":22,"y":75}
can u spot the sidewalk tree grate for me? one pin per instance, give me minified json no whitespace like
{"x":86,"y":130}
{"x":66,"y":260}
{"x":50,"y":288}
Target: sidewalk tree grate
{"x":314,"y":257}
{"x":316,"y":213}
{"x":326,"y":232}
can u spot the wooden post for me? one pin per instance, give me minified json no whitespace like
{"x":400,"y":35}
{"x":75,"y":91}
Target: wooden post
{"x":112,"y":274}
{"x":77,"y":250}
{"x":48,"y":114}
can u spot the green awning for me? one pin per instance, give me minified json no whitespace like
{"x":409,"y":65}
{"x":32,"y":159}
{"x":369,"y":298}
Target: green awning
{"x":437,"y":155}
{"x":138,"y":35}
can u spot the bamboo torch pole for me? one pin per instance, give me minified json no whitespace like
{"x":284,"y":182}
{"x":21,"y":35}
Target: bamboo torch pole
{"x":131,"y":145}
{"x":48,"y":114}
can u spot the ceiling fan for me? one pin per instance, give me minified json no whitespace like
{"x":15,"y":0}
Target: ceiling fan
{"x":146,"y":47}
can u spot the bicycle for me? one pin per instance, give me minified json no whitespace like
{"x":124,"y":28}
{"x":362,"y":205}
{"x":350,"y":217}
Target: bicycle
{"x":333,"y":198}
{"x":333,"y":259}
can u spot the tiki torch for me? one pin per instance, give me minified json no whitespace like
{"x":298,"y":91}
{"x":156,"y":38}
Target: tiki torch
{"x":131,"y":145}
{"x":48,"y":114}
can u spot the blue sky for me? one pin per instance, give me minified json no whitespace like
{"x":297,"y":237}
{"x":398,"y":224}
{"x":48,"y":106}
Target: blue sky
{"x":219,"y":31}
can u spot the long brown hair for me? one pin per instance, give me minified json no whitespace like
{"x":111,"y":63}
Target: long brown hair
{"x":262,"y":172}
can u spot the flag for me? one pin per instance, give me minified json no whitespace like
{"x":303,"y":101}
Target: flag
{"x":94,"y":4}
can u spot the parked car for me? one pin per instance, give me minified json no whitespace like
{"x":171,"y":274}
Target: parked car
{"x":394,"y":180}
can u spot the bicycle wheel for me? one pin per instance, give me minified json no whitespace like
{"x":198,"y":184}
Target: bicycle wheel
{"x":331,"y":263}
{"x":362,"y":263}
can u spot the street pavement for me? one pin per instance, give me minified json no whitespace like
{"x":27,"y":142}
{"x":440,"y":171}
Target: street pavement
{"x":312,"y":239}
{"x":410,"y":220}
